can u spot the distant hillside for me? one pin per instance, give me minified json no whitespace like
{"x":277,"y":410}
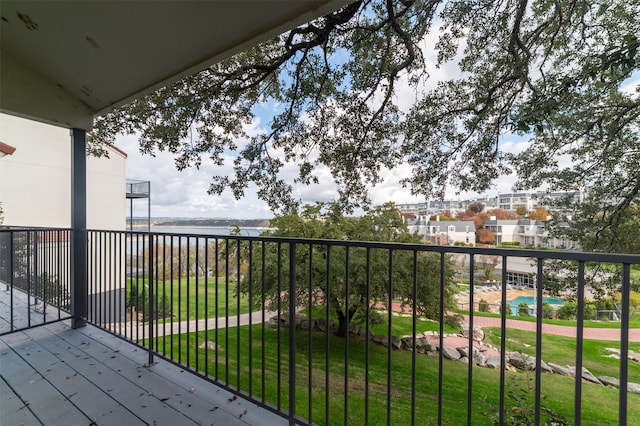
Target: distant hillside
{"x":242,"y":223}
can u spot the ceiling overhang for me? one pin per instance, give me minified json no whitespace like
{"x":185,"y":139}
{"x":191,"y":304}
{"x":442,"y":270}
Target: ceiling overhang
{"x":64,"y":62}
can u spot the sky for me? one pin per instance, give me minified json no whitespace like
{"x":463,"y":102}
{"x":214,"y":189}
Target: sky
{"x":184,"y":193}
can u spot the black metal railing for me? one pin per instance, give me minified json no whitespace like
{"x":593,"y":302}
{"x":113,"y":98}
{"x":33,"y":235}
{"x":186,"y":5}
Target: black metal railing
{"x":314,"y":329}
{"x":34,"y":277}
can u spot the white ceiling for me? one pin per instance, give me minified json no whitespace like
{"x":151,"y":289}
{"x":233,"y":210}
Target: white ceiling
{"x":63,"y":62}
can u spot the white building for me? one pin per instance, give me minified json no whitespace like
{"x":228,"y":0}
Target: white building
{"x":527,"y":233}
{"x":35,"y":191}
{"x":444,"y":232}
{"x":35,"y":179}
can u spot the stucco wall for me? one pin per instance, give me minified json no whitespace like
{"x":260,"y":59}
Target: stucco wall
{"x":35,"y":182}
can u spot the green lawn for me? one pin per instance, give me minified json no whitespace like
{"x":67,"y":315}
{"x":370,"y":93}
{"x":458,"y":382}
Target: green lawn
{"x":562,"y":350}
{"x":190,"y":299}
{"x":599,"y":403}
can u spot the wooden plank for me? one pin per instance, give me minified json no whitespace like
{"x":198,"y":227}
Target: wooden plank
{"x":180,"y":396}
{"x":191,"y":386}
{"x":121,"y":380}
{"x":12,"y":409}
{"x":106,"y":378}
{"x":49,"y":405}
{"x":75,"y":387}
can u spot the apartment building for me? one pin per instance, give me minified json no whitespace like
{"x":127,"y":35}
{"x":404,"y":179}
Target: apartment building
{"x":444,"y":232}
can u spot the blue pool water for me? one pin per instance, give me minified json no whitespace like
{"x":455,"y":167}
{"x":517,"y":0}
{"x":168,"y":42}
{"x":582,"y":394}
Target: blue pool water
{"x":529,"y":300}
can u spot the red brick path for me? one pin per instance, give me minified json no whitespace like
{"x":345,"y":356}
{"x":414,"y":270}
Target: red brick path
{"x":558,"y":330}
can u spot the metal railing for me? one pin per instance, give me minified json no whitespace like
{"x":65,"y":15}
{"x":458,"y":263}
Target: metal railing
{"x":35,"y":284}
{"x":274,"y":321}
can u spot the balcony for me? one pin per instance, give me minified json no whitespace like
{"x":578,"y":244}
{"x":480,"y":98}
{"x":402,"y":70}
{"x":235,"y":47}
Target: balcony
{"x":168,"y":340}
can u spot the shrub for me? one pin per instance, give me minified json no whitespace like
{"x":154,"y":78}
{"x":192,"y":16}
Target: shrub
{"x":483,"y":306}
{"x":568,"y":311}
{"x":589,"y":311}
{"x":523,"y":309}
{"x":508,"y":310}
{"x":548,"y":311}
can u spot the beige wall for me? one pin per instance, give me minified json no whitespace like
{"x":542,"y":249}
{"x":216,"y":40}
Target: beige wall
{"x":35,"y":181}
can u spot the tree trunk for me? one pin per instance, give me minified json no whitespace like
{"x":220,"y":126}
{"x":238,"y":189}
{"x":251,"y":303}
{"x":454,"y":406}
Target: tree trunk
{"x":344,"y":321}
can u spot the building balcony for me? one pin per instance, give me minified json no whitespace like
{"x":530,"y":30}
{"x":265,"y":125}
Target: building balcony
{"x":192,"y":329}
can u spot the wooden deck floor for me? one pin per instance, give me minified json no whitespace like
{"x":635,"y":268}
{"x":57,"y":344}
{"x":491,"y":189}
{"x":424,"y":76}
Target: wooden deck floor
{"x":53,"y":375}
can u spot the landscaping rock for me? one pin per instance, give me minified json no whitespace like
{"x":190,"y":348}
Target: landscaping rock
{"x":522,"y":361}
{"x":464,"y":351}
{"x":396,"y":343}
{"x":586,"y":375}
{"x":545,"y":367}
{"x":477,"y":334}
{"x":493,"y":361}
{"x":562,"y":370}
{"x":379,"y":339}
{"x":407,"y":342}
{"x":633,"y":387}
{"x":208,"y":345}
{"x":450,"y":353}
{"x":431,"y":348}
{"x":609,"y":381}
{"x":479,"y":358}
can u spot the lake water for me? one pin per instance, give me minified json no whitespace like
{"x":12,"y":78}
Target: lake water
{"x":191,"y":234}
{"x":207,"y":230}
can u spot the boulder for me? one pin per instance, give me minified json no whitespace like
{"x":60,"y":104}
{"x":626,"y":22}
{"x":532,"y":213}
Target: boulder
{"x":421,"y":342}
{"x":493,"y":361}
{"x":477,"y":334}
{"x":633,"y":387}
{"x":562,"y":370}
{"x":479,"y":358}
{"x":407,"y":342}
{"x":208,"y":345}
{"x":609,"y":381}
{"x":355,"y":329}
{"x":522,"y":361}
{"x":464,"y":351}
{"x":586,"y":375}
{"x":379,"y":339}
{"x":431,"y":348}
{"x":545,"y":367}
{"x":396,"y":343}
{"x":450,"y":353}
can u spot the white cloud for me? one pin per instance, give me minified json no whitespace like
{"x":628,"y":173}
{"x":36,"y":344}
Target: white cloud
{"x":184,"y":193}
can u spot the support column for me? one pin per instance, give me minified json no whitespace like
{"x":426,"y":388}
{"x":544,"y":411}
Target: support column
{"x":79,"y":284}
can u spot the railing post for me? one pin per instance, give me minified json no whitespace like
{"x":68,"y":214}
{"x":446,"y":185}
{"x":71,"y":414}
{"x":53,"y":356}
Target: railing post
{"x":292,"y":336}
{"x":79,"y":283}
{"x":151,"y":297}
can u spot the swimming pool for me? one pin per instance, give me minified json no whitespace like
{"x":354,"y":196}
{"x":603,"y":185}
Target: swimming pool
{"x":529,"y":300}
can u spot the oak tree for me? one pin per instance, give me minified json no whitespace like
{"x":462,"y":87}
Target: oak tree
{"x":355,"y":93}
